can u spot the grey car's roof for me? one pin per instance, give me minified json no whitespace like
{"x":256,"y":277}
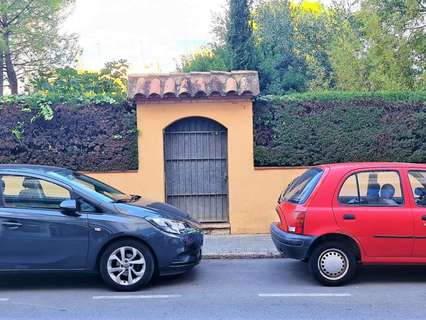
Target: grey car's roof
{"x":31,"y":168}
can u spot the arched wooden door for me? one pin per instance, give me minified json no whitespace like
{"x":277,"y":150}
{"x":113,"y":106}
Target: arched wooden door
{"x":196,"y":168}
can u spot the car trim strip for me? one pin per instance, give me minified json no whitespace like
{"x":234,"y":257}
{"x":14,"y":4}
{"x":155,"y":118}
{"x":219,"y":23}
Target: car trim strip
{"x":394,"y":236}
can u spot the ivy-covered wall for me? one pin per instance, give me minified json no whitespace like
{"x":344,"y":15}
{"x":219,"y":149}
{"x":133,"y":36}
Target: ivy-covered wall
{"x":307,"y":129}
{"x":92,"y":138}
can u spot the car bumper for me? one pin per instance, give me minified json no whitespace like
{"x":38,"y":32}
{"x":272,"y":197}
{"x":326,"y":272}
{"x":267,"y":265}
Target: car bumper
{"x":291,"y":245}
{"x":188,"y":253}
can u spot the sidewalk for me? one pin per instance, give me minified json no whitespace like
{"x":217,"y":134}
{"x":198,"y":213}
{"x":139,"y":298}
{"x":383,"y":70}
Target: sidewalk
{"x":239,"y":247}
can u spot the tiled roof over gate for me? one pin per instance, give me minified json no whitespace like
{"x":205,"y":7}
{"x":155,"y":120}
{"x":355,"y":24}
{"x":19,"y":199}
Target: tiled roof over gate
{"x":193,"y":85}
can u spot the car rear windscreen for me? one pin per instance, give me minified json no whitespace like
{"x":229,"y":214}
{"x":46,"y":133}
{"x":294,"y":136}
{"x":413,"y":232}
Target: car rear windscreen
{"x":301,"y":187}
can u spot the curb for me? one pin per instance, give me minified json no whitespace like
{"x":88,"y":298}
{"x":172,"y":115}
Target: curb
{"x":245,"y":255}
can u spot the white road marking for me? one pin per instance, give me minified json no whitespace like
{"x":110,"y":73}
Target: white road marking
{"x":4,"y":299}
{"x":146,"y":296}
{"x":278,"y":295}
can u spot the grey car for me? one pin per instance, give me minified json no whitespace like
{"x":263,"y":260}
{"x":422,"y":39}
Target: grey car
{"x":55,"y":219}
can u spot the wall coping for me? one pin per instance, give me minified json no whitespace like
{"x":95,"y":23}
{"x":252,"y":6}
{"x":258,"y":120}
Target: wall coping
{"x":282,"y":168}
{"x":137,"y":171}
{"x":207,"y":99}
{"x":108,"y":172}
{"x":191,"y":85}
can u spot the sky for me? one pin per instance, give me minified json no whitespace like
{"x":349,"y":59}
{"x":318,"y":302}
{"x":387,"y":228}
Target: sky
{"x":150,"y":34}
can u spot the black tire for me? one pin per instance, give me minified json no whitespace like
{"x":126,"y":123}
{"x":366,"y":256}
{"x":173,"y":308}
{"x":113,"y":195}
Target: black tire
{"x":148,"y":271}
{"x":338,"y":273}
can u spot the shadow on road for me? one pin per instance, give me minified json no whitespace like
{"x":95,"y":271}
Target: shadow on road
{"x":292,"y":272}
{"x":71,"y":281}
{"x":276,"y":271}
{"x":391,"y":274}
{"x":41,"y":281}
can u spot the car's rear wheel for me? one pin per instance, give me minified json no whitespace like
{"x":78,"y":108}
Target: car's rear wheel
{"x":127,"y":265}
{"x":333,"y":263}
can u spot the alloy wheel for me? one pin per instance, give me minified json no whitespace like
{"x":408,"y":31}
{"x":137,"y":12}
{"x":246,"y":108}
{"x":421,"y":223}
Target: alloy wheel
{"x":126,"y":266}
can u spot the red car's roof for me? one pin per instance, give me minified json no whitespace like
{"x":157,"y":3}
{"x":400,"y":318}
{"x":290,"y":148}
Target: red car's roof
{"x":352,"y":165}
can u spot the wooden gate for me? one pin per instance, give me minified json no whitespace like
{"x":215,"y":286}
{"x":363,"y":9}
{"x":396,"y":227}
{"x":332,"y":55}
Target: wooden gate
{"x":196,"y":168}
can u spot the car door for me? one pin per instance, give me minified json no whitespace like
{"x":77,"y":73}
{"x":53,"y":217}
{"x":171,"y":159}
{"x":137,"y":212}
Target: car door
{"x":370,"y":206}
{"x":417,"y":179}
{"x":35,"y":232}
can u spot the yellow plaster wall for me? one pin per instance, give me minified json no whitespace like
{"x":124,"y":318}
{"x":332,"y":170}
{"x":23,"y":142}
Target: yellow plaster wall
{"x":252,"y":192}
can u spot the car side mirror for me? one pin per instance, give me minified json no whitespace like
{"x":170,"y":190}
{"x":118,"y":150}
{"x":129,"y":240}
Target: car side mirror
{"x":69,"y":207}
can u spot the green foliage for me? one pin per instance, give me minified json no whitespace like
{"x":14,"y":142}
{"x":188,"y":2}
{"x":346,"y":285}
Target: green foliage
{"x":370,"y":45}
{"x":404,"y":97}
{"x":381,"y":46}
{"x":239,"y":35}
{"x":18,"y":130}
{"x":92,"y":138}
{"x":39,"y":104}
{"x":31,"y":39}
{"x":307,"y":129}
{"x":207,"y":59}
{"x":280,"y":69}
{"x":313,"y":28}
{"x":71,"y":86}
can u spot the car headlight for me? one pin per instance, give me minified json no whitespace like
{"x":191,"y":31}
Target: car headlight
{"x":169,"y":225}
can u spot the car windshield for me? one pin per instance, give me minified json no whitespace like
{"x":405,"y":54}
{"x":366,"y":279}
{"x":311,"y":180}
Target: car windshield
{"x":97,"y":186}
{"x":301,"y":187}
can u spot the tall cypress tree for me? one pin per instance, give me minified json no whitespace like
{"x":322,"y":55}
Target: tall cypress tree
{"x":240,"y":35}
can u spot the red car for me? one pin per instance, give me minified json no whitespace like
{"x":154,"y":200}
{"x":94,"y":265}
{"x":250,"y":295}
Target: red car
{"x":336,"y":216}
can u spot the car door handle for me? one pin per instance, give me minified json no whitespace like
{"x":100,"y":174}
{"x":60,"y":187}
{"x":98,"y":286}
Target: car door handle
{"x":349,"y":216}
{"x":12,"y":225}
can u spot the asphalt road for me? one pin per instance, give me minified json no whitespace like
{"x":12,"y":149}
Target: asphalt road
{"x":221,"y":289}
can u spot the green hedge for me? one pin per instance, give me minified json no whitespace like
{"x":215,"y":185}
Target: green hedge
{"x":312,"y":128}
{"x":91,"y":137}
{"x":291,"y":130}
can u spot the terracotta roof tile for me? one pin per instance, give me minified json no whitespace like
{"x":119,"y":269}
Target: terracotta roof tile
{"x":154,"y":89}
{"x":184,"y":88}
{"x":231,"y":87}
{"x":199,"y":88}
{"x":140,"y":85}
{"x":244,"y":87}
{"x":216,"y":87}
{"x":169,"y":88}
{"x":194,"y":85}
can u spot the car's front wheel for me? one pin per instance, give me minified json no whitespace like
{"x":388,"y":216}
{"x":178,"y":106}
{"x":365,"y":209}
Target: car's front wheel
{"x":333,"y":263}
{"x":127,"y":265}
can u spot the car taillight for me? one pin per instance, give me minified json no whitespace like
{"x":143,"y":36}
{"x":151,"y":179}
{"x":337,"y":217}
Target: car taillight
{"x":283,"y":224}
{"x":299,"y":222}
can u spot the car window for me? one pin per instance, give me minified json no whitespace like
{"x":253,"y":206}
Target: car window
{"x":301,"y":187}
{"x":86,"y":206}
{"x":418,"y":185}
{"x":30,"y":192}
{"x":372,"y":188}
{"x":93,"y":185}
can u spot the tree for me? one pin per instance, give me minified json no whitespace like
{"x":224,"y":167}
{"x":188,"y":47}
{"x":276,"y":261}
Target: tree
{"x":30,"y":38}
{"x":239,"y":35}
{"x":279,"y":67}
{"x":347,"y":60}
{"x":206,"y":59}
{"x":69,"y":85}
{"x":405,"y":20}
{"x":117,"y":72}
{"x":313,"y":27}
{"x":302,"y":45}
{"x":381,"y":46}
